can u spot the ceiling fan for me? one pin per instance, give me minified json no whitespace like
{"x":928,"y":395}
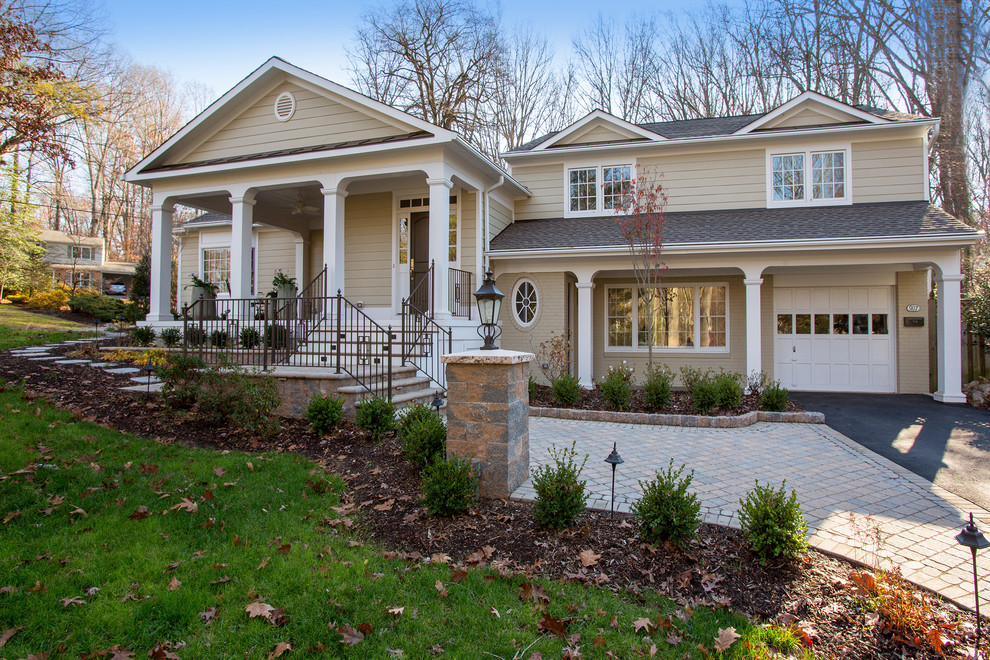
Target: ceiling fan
{"x":301,"y":207}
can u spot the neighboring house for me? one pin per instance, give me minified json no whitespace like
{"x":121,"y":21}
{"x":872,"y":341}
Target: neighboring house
{"x":800,"y":242}
{"x":80,"y":261}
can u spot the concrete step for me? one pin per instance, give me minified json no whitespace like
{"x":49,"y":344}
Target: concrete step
{"x":398,"y":385}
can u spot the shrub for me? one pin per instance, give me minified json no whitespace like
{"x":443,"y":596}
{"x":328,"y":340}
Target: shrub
{"x":195,"y":336}
{"x":690,"y":376}
{"x":616,"y":387}
{"x":704,"y":395}
{"x":250,"y":338}
{"x":728,"y":385}
{"x":18,"y":297}
{"x":324,"y":412}
{"x":656,"y":389}
{"x":183,"y":380}
{"x":407,"y":417}
{"x":450,"y":486}
{"x":144,"y":336}
{"x":376,"y":416}
{"x":758,"y":382}
{"x":774,"y":398}
{"x":560,"y":494}
{"x":773,"y":523}
{"x":425,"y":441}
{"x":566,"y":390}
{"x":667,"y":510}
{"x":532,"y":388}
{"x":50,"y":300}
{"x":100,"y":307}
{"x":171,"y":337}
{"x":220,"y":339}
{"x":276,"y":336}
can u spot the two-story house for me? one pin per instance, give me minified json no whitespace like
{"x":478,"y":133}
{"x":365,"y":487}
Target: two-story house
{"x":80,"y":261}
{"x":800,"y":242}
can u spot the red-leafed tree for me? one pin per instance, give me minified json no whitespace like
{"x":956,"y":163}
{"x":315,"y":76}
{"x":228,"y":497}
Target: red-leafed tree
{"x":641,"y":219}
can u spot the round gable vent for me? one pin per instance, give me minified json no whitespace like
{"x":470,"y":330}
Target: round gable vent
{"x":285,"y":106}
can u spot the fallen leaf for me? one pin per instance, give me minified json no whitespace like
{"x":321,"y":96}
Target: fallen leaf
{"x":280,"y":649}
{"x":385,"y":506}
{"x":140,"y":513}
{"x":208,"y":615}
{"x":37,"y":588}
{"x":173,"y":584}
{"x":495,"y":612}
{"x":219,"y":471}
{"x":284,"y":549}
{"x":264,"y":562}
{"x":725,"y":638}
{"x":440,"y":588}
{"x":396,"y":611}
{"x":187,"y":505}
{"x":552,"y":626}
{"x":588,"y":558}
{"x":349,"y":635}
{"x":8,"y":634}
{"x":72,"y":600}
{"x":643,"y":623}
{"x":258,"y":609}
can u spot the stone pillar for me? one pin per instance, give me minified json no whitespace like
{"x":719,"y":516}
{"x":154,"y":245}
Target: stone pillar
{"x":585,"y":338}
{"x":160,"y":305}
{"x":754,"y":330}
{"x":333,"y":238}
{"x":439,"y":243}
{"x":949,"y":339}
{"x":488,"y":415}
{"x":241,"y":222}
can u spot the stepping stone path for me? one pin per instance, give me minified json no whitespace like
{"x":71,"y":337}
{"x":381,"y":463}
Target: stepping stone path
{"x":72,"y":362}
{"x":40,"y":359}
{"x":110,"y":365}
{"x":123,"y":370}
{"x":155,"y":387}
{"x":146,"y":379}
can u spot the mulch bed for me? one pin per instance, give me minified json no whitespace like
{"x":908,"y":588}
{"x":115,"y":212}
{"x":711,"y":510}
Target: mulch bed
{"x":715,"y":569}
{"x":680,"y":403}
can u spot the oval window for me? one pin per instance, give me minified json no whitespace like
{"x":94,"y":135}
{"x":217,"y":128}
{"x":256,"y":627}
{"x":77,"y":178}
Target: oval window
{"x":525,"y":302}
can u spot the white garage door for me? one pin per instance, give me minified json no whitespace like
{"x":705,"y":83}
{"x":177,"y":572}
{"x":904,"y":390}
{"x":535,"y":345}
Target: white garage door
{"x":836,"y":339}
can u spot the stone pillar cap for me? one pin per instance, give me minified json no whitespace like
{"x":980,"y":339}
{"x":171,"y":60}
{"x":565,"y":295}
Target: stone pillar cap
{"x":478,"y":356}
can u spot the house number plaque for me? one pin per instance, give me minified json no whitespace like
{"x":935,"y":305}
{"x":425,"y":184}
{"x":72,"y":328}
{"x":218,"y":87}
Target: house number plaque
{"x":914,"y":308}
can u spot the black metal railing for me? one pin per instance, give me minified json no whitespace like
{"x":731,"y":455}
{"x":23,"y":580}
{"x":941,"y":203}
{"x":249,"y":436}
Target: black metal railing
{"x":459,"y":290}
{"x":424,"y":342}
{"x":421,"y":295}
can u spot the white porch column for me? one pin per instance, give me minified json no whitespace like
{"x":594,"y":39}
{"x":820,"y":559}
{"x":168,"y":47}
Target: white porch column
{"x":302,"y":261}
{"x":585,"y":338}
{"x":949,"y":339}
{"x":242,"y":218}
{"x":160,"y":308}
{"x":439,"y":242}
{"x":333,"y":238}
{"x":754,"y":330}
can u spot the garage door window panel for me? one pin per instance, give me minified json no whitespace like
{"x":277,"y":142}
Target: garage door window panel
{"x":840,"y":324}
{"x":879,"y":324}
{"x":861,"y":324}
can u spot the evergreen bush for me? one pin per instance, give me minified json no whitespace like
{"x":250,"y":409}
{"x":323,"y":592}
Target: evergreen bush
{"x":704,"y":395}
{"x":376,"y":416}
{"x":616,"y":387}
{"x":773,"y":523}
{"x":324,"y":413}
{"x":668,"y":511}
{"x":450,"y":486}
{"x":774,"y":398}
{"x":656,"y":389}
{"x":566,"y":390}
{"x":143,"y":336}
{"x":170,"y":337}
{"x":424,"y":441}
{"x":560,"y":492}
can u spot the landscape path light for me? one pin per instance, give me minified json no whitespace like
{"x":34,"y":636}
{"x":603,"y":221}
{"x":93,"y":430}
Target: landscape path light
{"x":972,"y":538}
{"x":437,"y":403}
{"x":614,"y":460}
{"x":96,"y":334}
{"x":489,"y":305}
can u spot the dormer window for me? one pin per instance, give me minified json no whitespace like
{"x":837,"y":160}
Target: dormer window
{"x":808,"y":177}
{"x":595,"y":189}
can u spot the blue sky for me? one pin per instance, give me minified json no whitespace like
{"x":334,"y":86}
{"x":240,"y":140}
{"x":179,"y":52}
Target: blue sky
{"x":218,"y":42}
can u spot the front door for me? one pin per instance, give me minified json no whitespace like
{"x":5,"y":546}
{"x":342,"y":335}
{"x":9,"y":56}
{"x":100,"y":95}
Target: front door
{"x":419,"y":265}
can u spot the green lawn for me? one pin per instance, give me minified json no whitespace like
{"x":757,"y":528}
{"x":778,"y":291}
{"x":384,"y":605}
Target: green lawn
{"x":19,"y":327}
{"x":110,"y":539}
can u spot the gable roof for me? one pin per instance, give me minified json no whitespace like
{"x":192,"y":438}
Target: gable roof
{"x":806,"y":224}
{"x":822,"y":105}
{"x":709,"y":127}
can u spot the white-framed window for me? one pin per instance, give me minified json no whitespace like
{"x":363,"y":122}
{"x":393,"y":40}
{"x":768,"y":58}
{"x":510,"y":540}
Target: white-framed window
{"x":807,"y":177}
{"x":80,"y":252}
{"x":525,"y":302}
{"x":597,"y":189}
{"x":685,"y":317}
{"x":216,"y":265}
{"x":421,"y":204}
{"x":83,"y":279}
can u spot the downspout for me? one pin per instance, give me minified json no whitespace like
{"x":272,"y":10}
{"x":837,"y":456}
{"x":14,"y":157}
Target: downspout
{"x":487,"y":238}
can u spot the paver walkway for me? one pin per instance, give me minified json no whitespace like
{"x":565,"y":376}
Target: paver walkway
{"x":846,"y":491}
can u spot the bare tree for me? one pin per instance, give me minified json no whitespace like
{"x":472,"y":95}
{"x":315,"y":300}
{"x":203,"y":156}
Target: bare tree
{"x":436,"y":59}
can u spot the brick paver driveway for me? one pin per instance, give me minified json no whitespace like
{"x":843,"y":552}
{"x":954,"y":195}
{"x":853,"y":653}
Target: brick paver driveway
{"x":845,"y":490}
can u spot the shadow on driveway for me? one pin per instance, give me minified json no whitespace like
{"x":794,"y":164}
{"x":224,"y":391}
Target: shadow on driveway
{"x":948,"y":444}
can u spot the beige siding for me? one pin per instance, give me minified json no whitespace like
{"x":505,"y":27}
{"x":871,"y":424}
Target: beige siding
{"x":888,"y":171}
{"x":546,"y":182}
{"x":598,"y":133}
{"x":551,"y":314}
{"x":734,"y":360}
{"x":912,"y":343}
{"x":316,"y":255}
{"x":808,"y":117}
{"x":499,"y":217}
{"x":317,"y":120}
{"x":713,"y":181}
{"x":368,"y":260}
{"x":188,"y":264}
{"x":469,"y":231}
{"x":276,"y":250}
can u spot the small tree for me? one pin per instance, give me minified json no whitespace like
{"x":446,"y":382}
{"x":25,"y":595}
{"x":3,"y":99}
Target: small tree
{"x":18,"y":235}
{"x":641,"y":219}
{"x":976,"y":310}
{"x":141,"y":284}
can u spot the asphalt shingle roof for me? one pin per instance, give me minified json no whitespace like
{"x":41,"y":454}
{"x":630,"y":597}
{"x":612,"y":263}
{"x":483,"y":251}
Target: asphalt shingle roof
{"x":209,"y":217}
{"x":891,"y":219}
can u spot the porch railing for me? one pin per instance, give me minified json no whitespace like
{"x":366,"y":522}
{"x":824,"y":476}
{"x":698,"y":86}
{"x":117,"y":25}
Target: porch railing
{"x":424,"y":342}
{"x":459,"y":290}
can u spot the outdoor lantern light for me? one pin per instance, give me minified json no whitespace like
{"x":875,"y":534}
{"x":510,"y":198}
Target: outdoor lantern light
{"x":973,"y":539}
{"x":489,"y":304}
{"x":613,"y":459}
{"x":437,"y":402}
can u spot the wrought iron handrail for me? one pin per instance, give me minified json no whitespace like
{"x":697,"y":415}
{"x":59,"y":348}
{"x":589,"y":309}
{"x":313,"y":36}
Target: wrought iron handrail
{"x":459,"y":291}
{"x":414,"y":293}
{"x":424,"y":342}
